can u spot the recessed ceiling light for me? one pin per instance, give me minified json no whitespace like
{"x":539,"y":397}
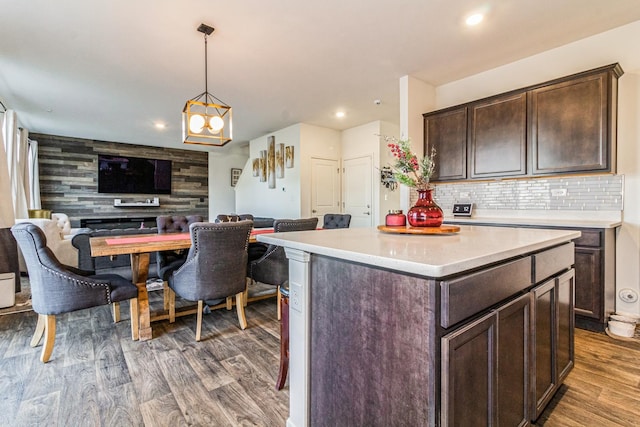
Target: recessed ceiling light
{"x":340,"y":114}
{"x":474,"y":19}
{"x":160,"y":125}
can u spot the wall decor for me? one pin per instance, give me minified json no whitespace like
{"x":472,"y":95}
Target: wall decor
{"x":235,"y":175}
{"x":263,"y":165}
{"x":280,"y":161}
{"x":255,"y":163}
{"x":271,"y":161}
{"x":288,"y":156}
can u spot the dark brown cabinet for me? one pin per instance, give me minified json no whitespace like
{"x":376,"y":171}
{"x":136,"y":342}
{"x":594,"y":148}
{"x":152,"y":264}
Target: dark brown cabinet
{"x":595,"y":278}
{"x":498,"y":137}
{"x":512,"y":406}
{"x":572,"y":124}
{"x":567,"y":125}
{"x":552,"y":338}
{"x":446,"y":131}
{"x":469,"y":379}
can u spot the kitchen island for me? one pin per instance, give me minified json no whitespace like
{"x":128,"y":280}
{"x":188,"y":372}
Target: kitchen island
{"x":471,"y":328}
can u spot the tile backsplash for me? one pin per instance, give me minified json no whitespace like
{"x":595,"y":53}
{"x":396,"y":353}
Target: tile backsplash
{"x":578,"y":193}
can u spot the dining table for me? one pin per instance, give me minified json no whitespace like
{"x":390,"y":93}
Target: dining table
{"x":139,"y":247}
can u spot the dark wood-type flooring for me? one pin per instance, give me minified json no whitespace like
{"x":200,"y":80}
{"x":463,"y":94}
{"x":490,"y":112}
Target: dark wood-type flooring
{"x":99,"y":377}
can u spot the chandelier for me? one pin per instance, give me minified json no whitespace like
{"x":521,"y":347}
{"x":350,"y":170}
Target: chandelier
{"x":206,"y":120}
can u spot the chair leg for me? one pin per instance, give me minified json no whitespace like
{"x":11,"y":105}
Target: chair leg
{"x":135,"y":319}
{"x":165,"y":295}
{"x":172,"y":305}
{"x":49,"y":337}
{"x":279,"y":303}
{"x":115,"y":311}
{"x":246,"y":291}
{"x":240,"y":309}
{"x":199,"y":320}
{"x":39,"y":332}
{"x":229,"y":303}
{"x":284,"y":345}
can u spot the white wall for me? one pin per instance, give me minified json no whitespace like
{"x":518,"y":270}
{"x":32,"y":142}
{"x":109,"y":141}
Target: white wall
{"x":222,"y":196}
{"x":618,"y":45}
{"x":255,"y":197}
{"x":292,"y":196}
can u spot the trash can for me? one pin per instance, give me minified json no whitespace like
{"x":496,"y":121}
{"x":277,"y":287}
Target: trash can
{"x":7,"y":290}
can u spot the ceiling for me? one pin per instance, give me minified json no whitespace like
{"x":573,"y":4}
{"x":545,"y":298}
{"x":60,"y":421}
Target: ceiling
{"x":108,"y":70}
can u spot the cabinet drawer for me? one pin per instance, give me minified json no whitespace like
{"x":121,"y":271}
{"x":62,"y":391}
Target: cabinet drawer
{"x":552,"y":261}
{"x":465,"y":296}
{"x":591,"y":238}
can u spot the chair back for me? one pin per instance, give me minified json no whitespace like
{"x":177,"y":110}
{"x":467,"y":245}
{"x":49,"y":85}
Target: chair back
{"x":273,"y":267}
{"x":216,"y":265}
{"x":336,"y":221}
{"x":283,"y":225}
{"x":176,"y":223}
{"x":54,"y":288}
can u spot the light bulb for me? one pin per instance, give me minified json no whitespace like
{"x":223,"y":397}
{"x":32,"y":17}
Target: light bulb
{"x":196,"y":123}
{"x":216,"y":124}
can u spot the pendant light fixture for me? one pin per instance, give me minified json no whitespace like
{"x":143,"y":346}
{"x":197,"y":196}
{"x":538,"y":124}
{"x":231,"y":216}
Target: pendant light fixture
{"x":205,"y":119}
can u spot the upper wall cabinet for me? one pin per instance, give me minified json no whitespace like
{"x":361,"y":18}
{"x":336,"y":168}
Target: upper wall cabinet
{"x":572,"y":124}
{"x":567,"y":125}
{"x":498,"y":136}
{"x":446,"y":131}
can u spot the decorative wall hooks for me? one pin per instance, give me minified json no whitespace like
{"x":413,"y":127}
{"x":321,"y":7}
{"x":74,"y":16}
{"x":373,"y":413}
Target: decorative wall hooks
{"x":387,"y":179}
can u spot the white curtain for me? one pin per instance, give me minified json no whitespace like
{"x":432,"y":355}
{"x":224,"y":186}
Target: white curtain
{"x":13,"y":152}
{"x":23,"y":163}
{"x":7,"y":217}
{"x":34,"y":176}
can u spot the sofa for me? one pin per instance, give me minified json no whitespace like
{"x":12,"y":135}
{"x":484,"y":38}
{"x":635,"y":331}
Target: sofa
{"x":119,"y":264}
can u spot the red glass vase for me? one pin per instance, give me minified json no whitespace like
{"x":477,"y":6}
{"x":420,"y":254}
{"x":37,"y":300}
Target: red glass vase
{"x":425,"y":213}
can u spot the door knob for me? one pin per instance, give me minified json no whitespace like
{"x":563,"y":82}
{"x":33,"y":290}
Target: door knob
{"x":313,"y":211}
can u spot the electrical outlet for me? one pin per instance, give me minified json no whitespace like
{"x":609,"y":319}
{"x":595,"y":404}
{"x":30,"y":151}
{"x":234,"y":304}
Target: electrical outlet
{"x":295,"y":296}
{"x":558,"y":192}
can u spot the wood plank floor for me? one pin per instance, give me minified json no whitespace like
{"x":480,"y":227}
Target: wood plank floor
{"x":99,"y":377}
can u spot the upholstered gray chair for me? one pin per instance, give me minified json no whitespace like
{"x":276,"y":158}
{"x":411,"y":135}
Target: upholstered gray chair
{"x":336,"y":221}
{"x":170,"y":260}
{"x":58,"y":288}
{"x":273,"y":267}
{"x":215,"y":268}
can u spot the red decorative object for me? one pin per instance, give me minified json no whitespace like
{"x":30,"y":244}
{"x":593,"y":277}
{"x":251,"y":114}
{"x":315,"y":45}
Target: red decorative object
{"x":425,"y":213}
{"x":395,"y":218}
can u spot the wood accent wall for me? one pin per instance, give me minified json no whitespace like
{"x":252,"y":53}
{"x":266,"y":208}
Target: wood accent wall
{"x":69,"y":179}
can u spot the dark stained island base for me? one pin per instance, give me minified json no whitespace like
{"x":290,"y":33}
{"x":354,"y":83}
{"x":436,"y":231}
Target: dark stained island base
{"x":473,"y":328}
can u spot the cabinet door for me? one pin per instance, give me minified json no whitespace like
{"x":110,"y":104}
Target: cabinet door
{"x":469,"y":374}
{"x":498,"y":137}
{"x":446,"y":131}
{"x":543,"y":335}
{"x":565,"y":325}
{"x":588,"y":301}
{"x":513,"y":362}
{"x":569,"y":126}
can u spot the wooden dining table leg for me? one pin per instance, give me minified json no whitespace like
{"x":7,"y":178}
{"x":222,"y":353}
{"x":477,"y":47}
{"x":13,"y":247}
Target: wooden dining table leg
{"x":139,"y":274}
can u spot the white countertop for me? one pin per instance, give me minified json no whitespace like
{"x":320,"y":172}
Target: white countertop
{"x":426,"y":255}
{"x":542,"y":222}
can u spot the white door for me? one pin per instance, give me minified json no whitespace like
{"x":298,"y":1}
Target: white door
{"x":357,"y":191}
{"x":325,"y":188}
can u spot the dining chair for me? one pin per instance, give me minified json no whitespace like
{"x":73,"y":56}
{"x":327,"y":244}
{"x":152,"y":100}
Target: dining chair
{"x":215,"y":268}
{"x":170,"y":260}
{"x":336,"y":221}
{"x":57,"y":288}
{"x":273,"y":267}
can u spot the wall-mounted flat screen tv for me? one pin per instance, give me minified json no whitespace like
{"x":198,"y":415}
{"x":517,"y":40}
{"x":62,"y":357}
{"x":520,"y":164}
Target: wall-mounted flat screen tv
{"x":133,"y":175}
